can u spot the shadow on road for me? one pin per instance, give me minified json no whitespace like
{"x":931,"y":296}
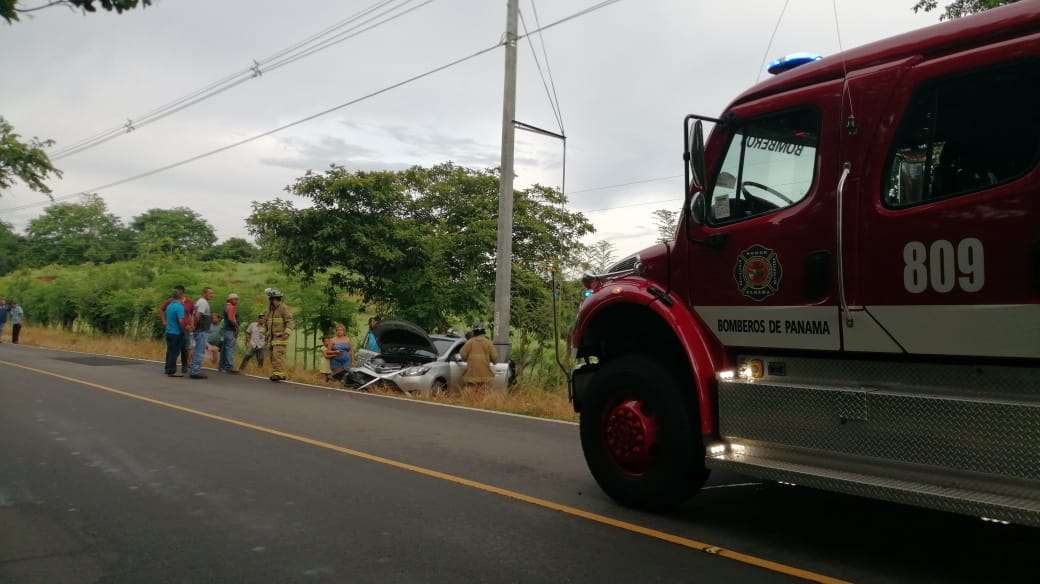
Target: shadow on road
{"x":886,"y":541}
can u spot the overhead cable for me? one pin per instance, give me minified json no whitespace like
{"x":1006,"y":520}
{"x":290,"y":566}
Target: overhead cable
{"x":362,"y":21}
{"x":313,"y":116}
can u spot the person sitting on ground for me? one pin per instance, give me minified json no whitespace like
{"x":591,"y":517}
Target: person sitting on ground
{"x":256,"y":334}
{"x":344,"y":346}
{"x":479,"y":354}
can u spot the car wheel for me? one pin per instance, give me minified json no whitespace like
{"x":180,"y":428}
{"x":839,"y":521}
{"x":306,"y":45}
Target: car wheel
{"x":439,"y":387}
{"x":638,"y":435}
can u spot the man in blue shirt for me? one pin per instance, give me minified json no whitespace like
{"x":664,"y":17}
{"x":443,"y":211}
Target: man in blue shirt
{"x":3,"y":316}
{"x":175,"y":324}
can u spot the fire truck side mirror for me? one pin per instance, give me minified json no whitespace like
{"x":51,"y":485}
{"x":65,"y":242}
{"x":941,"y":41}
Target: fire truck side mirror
{"x":696,"y":155}
{"x":697,"y":208}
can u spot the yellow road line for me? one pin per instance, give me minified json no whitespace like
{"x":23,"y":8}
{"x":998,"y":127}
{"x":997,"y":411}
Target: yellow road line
{"x":566,"y":509}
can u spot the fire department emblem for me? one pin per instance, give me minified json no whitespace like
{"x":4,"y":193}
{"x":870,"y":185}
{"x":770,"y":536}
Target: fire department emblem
{"x":758,"y":272}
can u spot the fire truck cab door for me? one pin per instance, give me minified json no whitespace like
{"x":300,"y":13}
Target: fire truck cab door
{"x":947,"y":255}
{"x":761,"y":260}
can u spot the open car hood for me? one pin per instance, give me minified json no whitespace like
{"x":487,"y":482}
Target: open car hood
{"x":402,"y":339}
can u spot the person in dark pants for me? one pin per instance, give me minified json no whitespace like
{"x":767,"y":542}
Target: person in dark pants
{"x":175,"y":327}
{"x":189,"y":307}
{"x":16,"y":314}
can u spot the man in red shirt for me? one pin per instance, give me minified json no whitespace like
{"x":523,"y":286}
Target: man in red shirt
{"x":189,"y":311}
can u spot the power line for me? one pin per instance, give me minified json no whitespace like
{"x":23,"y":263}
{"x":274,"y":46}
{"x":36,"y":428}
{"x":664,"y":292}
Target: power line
{"x":541,"y":74}
{"x":351,"y":102}
{"x":548,"y":68}
{"x":765,"y":55}
{"x":635,"y":182}
{"x":277,"y":60}
{"x":643,"y":204}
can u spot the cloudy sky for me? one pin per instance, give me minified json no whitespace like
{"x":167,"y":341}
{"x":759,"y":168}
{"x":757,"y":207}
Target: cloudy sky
{"x":625,"y":77}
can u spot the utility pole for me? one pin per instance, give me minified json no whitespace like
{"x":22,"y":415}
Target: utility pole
{"x":504,"y":267}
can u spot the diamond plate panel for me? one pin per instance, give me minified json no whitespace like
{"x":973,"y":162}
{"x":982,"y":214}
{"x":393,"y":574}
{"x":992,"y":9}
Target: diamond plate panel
{"x":1015,"y":510}
{"x":988,"y":436}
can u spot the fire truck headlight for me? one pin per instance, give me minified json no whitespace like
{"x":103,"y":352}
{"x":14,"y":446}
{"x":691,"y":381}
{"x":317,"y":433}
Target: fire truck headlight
{"x":726,"y":375}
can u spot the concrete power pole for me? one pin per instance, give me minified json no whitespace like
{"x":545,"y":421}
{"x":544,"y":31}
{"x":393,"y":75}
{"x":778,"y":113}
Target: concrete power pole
{"x":504,"y":267}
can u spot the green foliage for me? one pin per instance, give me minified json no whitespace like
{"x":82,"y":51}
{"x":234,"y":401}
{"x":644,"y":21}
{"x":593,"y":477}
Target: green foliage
{"x":25,"y":161}
{"x":75,"y":233}
{"x":12,"y":246}
{"x":10,"y":9}
{"x":959,"y":8}
{"x":419,"y":243}
{"x":168,"y":231}
{"x":234,"y":249}
{"x":123,"y":297}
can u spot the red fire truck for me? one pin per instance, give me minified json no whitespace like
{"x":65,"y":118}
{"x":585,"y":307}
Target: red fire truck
{"x":852,"y":298}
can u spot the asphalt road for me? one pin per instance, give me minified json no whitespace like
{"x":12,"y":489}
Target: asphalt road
{"x":235,"y":479}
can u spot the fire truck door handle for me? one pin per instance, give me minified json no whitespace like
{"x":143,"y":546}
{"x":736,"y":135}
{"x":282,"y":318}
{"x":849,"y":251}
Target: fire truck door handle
{"x":846,"y":314}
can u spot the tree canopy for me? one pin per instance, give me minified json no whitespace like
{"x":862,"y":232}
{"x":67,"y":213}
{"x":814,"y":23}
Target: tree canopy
{"x":25,"y":161}
{"x":75,"y":233}
{"x":666,"y":221}
{"x":11,"y":9}
{"x":959,"y":8}
{"x":234,"y":249}
{"x":420,"y":243}
{"x":177,"y":230}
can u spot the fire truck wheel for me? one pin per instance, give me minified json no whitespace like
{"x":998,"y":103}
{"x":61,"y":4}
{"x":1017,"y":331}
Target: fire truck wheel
{"x":638,"y":436}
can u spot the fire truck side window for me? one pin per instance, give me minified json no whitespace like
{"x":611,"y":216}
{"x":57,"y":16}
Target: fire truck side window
{"x":966,"y":134}
{"x":770,"y":164}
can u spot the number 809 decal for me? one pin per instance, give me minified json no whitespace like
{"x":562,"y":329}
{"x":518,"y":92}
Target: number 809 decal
{"x":942,"y":267}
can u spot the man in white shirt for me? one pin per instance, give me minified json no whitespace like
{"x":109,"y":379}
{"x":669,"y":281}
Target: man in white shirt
{"x":255,"y":341}
{"x":202,"y":324}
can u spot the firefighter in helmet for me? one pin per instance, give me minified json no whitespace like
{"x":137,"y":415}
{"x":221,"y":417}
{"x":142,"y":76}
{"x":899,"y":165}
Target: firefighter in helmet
{"x":280,"y":325}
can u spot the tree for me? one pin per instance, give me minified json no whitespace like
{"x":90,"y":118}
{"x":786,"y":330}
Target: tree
{"x":418,"y":243}
{"x":959,"y":8}
{"x":666,"y":221}
{"x":177,"y":230}
{"x":10,"y":9}
{"x":598,"y":257}
{"x":25,"y":161}
{"x":235,"y":249}
{"x":74,"y":233}
{"x":12,"y":247}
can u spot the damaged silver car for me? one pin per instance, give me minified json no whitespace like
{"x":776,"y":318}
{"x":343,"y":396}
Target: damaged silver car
{"x":414,"y":362}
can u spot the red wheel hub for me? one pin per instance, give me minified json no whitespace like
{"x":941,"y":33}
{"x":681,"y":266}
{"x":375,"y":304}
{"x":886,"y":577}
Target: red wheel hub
{"x":630,"y":433}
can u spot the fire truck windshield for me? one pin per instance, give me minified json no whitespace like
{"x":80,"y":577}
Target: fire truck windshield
{"x":769,"y":165}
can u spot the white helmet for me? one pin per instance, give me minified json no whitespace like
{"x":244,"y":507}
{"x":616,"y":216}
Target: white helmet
{"x":273,"y":293}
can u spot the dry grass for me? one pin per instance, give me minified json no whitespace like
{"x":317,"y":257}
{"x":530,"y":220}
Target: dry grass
{"x":530,"y":401}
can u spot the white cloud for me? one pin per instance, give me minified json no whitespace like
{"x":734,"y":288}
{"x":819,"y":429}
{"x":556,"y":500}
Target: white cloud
{"x":626,"y":75}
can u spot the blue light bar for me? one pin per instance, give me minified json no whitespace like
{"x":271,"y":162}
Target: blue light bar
{"x":788,"y":62}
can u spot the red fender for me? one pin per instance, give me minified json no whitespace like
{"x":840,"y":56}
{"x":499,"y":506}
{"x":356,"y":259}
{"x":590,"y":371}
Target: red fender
{"x":702,"y":350}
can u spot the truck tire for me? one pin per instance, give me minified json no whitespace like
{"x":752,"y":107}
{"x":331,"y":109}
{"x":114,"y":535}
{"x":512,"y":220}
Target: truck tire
{"x":638,"y":435}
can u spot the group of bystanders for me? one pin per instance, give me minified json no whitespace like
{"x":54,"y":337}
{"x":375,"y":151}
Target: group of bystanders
{"x":10,"y":310}
{"x":194,"y":329}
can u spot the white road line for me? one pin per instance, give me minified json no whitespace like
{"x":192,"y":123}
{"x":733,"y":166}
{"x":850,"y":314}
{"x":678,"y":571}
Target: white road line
{"x":324,"y":388}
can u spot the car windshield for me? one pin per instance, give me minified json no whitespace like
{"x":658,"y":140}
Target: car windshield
{"x":443,"y":345}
